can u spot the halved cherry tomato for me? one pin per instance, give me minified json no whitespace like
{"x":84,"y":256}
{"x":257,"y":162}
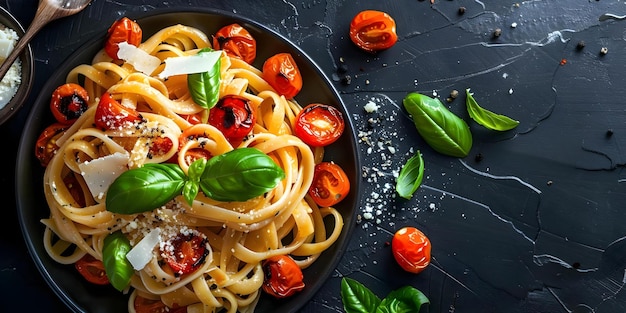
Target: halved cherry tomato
{"x":68,"y":103}
{"x":330,"y":184}
{"x":373,"y":30}
{"x":234,"y":117}
{"x":411,"y":249}
{"x":236,"y":41}
{"x":92,"y":270}
{"x":283,"y":277}
{"x":122,"y":30}
{"x":110,"y":114}
{"x":282,"y":73}
{"x":46,"y":146}
{"x":319,"y":125}
{"x":144,"y":305}
{"x":186,"y":252}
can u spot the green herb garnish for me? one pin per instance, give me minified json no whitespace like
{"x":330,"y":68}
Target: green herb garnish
{"x":117,"y":267}
{"x":410,"y":177}
{"x":359,"y":299}
{"x":487,"y":118}
{"x":445,"y":132}
{"x":204,"y":87}
{"x":237,"y":175}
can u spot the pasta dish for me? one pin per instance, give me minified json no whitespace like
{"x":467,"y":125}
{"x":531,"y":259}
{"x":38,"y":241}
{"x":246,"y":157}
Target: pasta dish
{"x":205,"y":247}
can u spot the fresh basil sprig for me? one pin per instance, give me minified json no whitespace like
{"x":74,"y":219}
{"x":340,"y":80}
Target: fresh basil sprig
{"x":487,"y":118}
{"x":410,"y":177}
{"x":240,"y":175}
{"x":445,"y":132}
{"x":118,"y":269}
{"x":357,"y":298}
{"x":237,"y":175}
{"x":204,"y":87}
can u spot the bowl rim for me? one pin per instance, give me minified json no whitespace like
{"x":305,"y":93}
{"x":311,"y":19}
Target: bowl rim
{"x":28,"y":69}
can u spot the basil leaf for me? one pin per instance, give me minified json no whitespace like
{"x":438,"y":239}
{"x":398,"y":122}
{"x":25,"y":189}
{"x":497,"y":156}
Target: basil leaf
{"x":117,"y":267}
{"x":487,"y":118}
{"x":239,"y":175}
{"x":445,"y":132}
{"x":192,"y":185}
{"x":357,"y":298}
{"x":145,"y":188}
{"x":205,"y":87}
{"x":410,"y":177}
{"x":404,"y":300}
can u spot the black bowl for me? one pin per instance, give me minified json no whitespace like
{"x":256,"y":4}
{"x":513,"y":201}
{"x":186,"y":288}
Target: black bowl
{"x":26,"y":58}
{"x":81,"y":296}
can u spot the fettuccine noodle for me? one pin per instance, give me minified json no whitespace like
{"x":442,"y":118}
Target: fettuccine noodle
{"x":241,"y":234}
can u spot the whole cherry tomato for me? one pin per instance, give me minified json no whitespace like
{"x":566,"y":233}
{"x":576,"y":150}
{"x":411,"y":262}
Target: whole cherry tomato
{"x":282,"y":73}
{"x":236,"y":41}
{"x":110,"y":114}
{"x":330,"y":184}
{"x":283,"y":277}
{"x":234,"y":117}
{"x":373,"y":30}
{"x":92,"y":270}
{"x":411,"y":249}
{"x":68,"y":103}
{"x":144,"y":305}
{"x":186,"y":252}
{"x":122,"y":30}
{"x":45,"y":146}
{"x":319,"y":125}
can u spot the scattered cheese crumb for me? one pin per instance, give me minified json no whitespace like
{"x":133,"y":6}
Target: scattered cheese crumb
{"x":371,"y":107}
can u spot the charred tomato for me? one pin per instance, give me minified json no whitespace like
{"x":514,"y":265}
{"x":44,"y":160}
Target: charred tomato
{"x":110,"y":114}
{"x":92,"y":270}
{"x":373,"y":30}
{"x":330,"y":184}
{"x":411,"y":249}
{"x":283,"y":74}
{"x":234,"y":117}
{"x":68,"y":103}
{"x":122,"y":30}
{"x":319,"y":125}
{"x":144,"y":305}
{"x":283,"y":277}
{"x":186,"y":252}
{"x":45,"y":146}
{"x":236,"y":41}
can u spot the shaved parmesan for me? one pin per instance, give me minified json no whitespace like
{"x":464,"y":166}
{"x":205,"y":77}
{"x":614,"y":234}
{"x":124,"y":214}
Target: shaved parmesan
{"x":190,"y":64}
{"x":139,"y":59}
{"x":141,"y":253}
{"x":100,"y":173}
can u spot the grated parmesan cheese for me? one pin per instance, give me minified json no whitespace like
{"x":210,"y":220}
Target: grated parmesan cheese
{"x":13,"y":78}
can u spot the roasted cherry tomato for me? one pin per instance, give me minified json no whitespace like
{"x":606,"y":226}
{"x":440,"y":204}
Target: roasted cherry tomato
{"x":282,"y":73}
{"x":122,"y":30}
{"x":160,"y":145}
{"x":283,"y":277}
{"x":110,"y":114}
{"x":236,"y":41}
{"x":144,"y":305}
{"x":330,"y":184}
{"x":186,"y":252}
{"x":92,"y":270}
{"x":68,"y":103}
{"x":373,"y":30}
{"x":46,"y":146}
{"x":75,"y":190}
{"x":234,"y":117}
{"x":411,"y":249}
{"x":319,"y":125}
